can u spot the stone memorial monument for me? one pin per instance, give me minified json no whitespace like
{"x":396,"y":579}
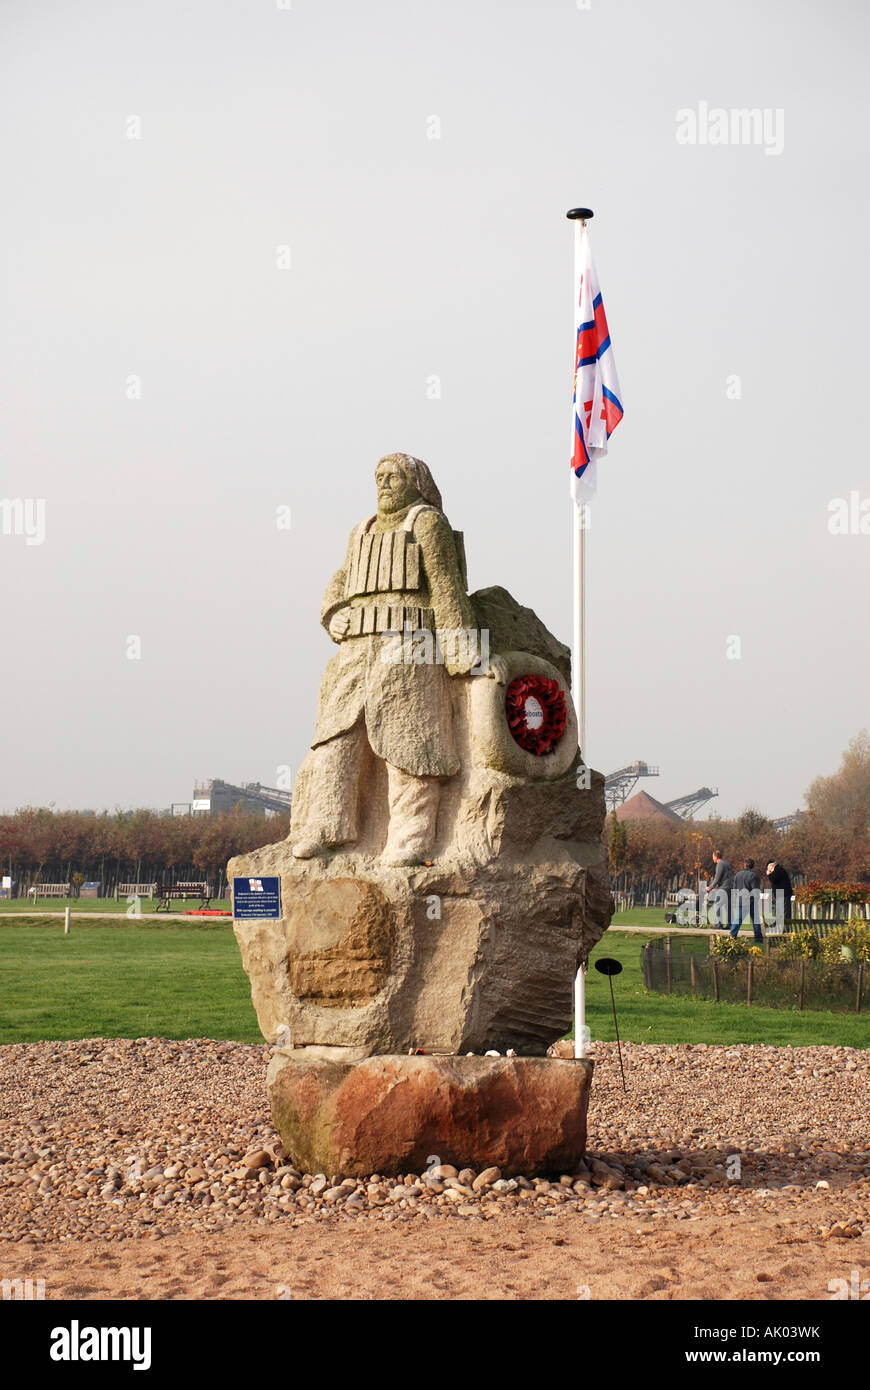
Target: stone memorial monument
{"x":444,"y":875}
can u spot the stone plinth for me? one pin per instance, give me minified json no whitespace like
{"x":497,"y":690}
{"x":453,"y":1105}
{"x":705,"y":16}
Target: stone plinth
{"x":390,"y":1115}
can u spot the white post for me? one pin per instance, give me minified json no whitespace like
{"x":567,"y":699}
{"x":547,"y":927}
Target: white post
{"x":66,"y":921}
{"x":579,"y":663}
{"x":580,"y":1012}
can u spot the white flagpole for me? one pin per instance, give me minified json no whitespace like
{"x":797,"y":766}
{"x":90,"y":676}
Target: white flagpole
{"x":578,"y":664}
{"x":579,"y":658}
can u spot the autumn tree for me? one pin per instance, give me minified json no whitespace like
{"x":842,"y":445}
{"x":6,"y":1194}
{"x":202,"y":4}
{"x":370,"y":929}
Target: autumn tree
{"x":751,"y":822}
{"x":617,"y":843}
{"x":843,"y":799}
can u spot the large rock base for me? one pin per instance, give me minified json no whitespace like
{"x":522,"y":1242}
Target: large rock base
{"x":391,"y":1115}
{"x":477,"y":951}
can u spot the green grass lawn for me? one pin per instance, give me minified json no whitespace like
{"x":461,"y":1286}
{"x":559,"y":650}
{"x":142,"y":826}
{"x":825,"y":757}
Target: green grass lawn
{"x":183,"y":980}
{"x":170,"y":980}
{"x":640,"y":917}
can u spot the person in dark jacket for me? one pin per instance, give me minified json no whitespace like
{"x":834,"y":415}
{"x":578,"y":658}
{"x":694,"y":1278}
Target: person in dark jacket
{"x":719,"y":889}
{"x":780,"y":882}
{"x":746,"y":900}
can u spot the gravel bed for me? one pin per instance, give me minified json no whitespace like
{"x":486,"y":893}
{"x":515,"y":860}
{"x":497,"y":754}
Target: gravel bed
{"x":110,"y":1139}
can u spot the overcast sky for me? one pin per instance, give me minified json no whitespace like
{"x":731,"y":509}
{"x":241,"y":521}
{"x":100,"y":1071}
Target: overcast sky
{"x":151,"y":265}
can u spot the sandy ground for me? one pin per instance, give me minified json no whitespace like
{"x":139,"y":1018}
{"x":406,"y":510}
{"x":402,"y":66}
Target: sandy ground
{"x":516,"y":1257}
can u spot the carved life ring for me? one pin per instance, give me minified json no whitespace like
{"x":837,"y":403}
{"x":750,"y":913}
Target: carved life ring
{"x":536,"y":714}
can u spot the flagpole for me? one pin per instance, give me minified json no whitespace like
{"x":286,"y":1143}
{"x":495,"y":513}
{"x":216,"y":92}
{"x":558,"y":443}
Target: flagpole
{"x":578,"y":664}
{"x":581,"y":215}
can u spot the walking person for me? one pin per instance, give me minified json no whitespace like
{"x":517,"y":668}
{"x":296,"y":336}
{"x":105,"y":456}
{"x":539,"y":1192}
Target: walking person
{"x":780,"y":882}
{"x":746,"y":901}
{"x":719,"y":889}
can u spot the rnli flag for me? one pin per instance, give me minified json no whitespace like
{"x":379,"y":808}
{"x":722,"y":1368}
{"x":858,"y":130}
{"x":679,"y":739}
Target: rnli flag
{"x":597,"y":397}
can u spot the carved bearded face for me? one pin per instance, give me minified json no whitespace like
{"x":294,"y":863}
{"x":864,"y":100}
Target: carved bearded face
{"x":396,"y":491}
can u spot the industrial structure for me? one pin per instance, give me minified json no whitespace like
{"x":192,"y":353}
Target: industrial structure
{"x":619,"y":785}
{"x":686,"y":806}
{"x":215,"y":798}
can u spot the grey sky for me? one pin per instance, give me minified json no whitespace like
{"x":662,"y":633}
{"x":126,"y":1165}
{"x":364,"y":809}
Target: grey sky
{"x":414,"y":257}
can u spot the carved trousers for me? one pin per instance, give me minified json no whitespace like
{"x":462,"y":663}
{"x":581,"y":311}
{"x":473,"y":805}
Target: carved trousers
{"x":328,"y":789}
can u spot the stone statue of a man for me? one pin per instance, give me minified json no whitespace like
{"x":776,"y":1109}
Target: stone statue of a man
{"x":404,"y":573}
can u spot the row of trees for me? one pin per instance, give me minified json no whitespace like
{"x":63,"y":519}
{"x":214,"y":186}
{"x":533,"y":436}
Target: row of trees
{"x":40,"y":845}
{"x":655,"y":854}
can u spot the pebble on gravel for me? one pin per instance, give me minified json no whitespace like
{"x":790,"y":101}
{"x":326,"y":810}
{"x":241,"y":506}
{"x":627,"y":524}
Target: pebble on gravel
{"x":115,"y":1138}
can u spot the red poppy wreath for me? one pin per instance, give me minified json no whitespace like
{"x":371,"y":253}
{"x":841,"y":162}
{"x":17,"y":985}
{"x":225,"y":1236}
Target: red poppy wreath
{"x":536,"y":716}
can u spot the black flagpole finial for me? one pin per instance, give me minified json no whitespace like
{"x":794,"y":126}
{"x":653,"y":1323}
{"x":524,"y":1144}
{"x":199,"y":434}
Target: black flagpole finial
{"x":580,"y":214}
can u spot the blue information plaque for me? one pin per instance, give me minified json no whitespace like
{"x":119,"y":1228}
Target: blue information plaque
{"x":256,"y":897}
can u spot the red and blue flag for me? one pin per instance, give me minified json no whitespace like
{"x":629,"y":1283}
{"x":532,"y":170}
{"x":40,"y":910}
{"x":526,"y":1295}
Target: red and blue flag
{"x":597,"y":397}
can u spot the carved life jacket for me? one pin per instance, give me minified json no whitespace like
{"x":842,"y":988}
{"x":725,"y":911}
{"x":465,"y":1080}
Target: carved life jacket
{"x":389,"y":563}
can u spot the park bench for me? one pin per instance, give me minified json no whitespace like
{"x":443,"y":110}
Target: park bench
{"x":182,"y":890}
{"x":48,"y":890}
{"x":135,"y":890}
